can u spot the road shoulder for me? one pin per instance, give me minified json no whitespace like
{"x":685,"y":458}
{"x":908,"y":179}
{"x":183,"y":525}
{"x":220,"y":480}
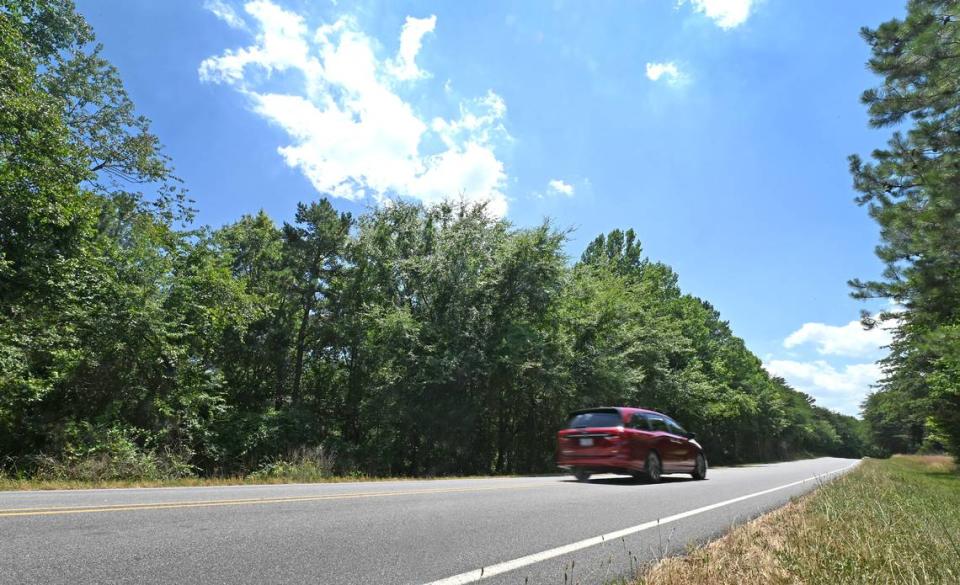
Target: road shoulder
{"x":888,"y":519}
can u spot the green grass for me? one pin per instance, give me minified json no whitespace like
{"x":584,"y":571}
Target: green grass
{"x":269,"y":475}
{"x":127,"y":467}
{"x":14,"y":484}
{"x":888,"y":521}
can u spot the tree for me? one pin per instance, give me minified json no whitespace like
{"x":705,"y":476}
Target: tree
{"x":47,"y":231}
{"x":85,"y":251}
{"x":912,"y":190}
{"x":415,"y":340}
{"x":315,"y":246}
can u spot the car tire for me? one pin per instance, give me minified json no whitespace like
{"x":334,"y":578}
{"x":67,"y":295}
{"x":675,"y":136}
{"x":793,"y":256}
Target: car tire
{"x":581,"y":475}
{"x":653,"y":468}
{"x":700,"y":468}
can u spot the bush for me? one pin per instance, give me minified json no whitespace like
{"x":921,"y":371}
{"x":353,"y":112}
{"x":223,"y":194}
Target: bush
{"x":106,"y":455}
{"x":303,"y":464}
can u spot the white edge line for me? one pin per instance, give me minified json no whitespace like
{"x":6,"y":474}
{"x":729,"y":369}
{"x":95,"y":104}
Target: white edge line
{"x":492,"y":570}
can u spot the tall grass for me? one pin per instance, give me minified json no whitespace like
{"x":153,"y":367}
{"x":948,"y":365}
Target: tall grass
{"x":127,"y":466}
{"x":149,"y":469}
{"x":888,"y":521}
{"x":304,"y":464}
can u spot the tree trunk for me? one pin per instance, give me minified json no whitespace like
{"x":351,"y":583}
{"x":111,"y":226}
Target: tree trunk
{"x":301,"y":342}
{"x":501,"y":435}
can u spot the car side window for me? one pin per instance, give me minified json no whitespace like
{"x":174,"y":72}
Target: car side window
{"x":639,"y":422}
{"x":676,"y":429}
{"x":657,"y":423}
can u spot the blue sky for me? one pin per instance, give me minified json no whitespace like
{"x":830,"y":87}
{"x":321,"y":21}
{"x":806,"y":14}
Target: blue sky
{"x":717,"y":129}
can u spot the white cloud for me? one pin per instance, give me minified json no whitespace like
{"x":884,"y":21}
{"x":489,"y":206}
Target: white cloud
{"x":480,"y":119}
{"x":850,"y":340}
{"x":832,"y":379}
{"x":280,"y":45}
{"x":411,"y":39}
{"x":226,"y":13}
{"x":352,"y":134}
{"x":841,"y":389}
{"x":558,"y":187}
{"x":821,"y":374}
{"x":668,"y":71}
{"x":726,"y":14}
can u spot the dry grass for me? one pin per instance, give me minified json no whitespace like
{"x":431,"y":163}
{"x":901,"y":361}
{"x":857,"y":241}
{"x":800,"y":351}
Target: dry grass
{"x":274,"y":473}
{"x":889,"y":521}
{"x":9,"y":484}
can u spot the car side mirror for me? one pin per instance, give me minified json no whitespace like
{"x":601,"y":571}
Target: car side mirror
{"x":691,"y":435}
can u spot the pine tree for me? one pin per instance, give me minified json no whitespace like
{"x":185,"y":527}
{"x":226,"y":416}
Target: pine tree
{"x":912,"y":189}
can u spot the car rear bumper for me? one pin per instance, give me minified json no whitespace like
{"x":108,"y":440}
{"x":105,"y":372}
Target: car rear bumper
{"x":600,"y":464}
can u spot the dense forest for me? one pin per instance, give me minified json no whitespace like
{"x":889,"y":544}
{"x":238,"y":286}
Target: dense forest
{"x":912,"y":189}
{"x":408,"y":340}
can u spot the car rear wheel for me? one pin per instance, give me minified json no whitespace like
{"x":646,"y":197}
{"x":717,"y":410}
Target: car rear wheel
{"x":653,"y":468}
{"x":700,"y":467}
{"x":581,"y":474}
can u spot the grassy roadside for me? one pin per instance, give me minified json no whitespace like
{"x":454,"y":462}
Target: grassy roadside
{"x":14,"y":484}
{"x":888,"y":521}
{"x":129,"y":468}
{"x":10,"y":484}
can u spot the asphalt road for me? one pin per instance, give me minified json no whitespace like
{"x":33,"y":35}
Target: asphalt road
{"x":516,"y":530}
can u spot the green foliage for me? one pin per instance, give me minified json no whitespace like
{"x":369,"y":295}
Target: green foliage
{"x":304,"y":464}
{"x":408,"y":340}
{"x":97,"y":455}
{"x":912,"y":190}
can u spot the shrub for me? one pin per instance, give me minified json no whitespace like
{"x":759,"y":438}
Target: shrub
{"x":303,"y":464}
{"x":99,"y":455}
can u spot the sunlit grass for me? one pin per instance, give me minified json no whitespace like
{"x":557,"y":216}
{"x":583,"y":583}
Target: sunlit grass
{"x":888,"y":521}
{"x":12,"y":484}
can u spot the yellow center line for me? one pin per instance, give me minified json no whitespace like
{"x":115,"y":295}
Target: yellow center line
{"x":50,"y":511}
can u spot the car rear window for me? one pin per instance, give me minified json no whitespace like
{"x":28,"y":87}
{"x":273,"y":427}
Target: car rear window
{"x":595,"y":419}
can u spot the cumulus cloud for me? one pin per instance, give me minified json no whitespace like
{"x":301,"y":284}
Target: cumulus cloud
{"x":411,"y":39}
{"x":850,"y":340}
{"x":280,"y":45}
{"x":843,"y":365}
{"x":226,"y":13}
{"x":352,"y":133}
{"x":841,"y":388}
{"x":668,"y":71}
{"x":559,"y":187}
{"x":727,"y":14}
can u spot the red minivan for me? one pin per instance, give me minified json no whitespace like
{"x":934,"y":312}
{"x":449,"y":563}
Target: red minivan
{"x":632,"y":441}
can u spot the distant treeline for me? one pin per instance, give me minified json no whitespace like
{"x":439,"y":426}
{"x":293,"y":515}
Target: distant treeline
{"x":408,"y":340}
